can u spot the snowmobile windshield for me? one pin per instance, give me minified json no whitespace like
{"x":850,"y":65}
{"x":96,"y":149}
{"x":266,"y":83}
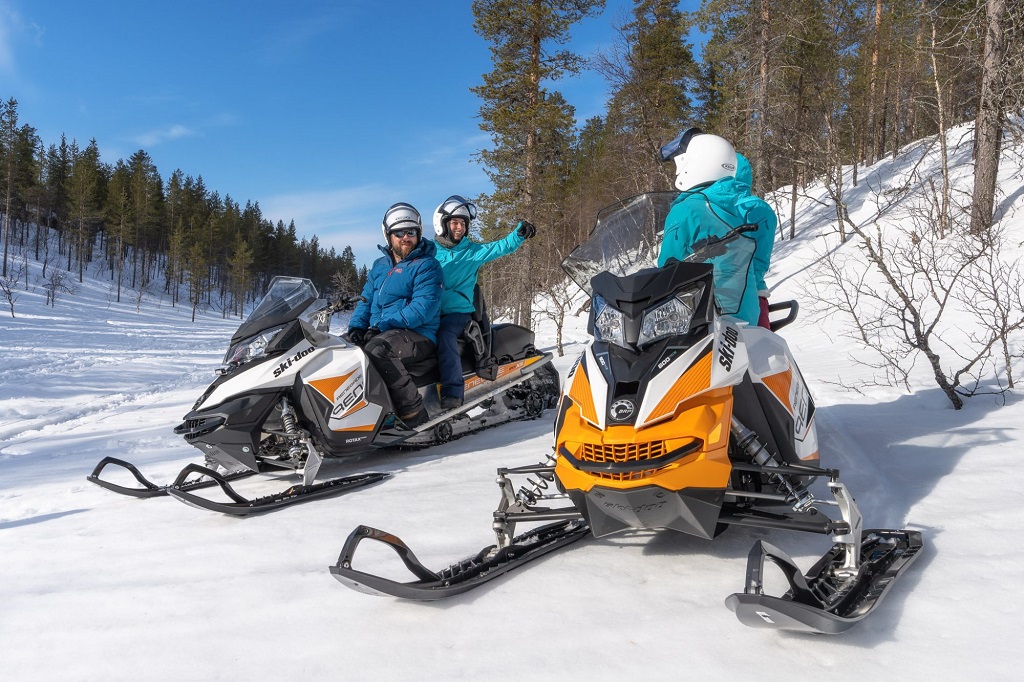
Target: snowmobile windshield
{"x":286,"y":299}
{"x":627,"y":238}
{"x":286,"y":295}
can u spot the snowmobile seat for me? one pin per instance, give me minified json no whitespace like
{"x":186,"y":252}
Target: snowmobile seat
{"x":475,"y":342}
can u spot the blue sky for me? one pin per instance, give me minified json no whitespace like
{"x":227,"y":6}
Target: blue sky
{"x":324,"y":112}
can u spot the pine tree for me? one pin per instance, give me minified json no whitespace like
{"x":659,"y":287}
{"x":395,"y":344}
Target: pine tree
{"x":527,"y":123}
{"x":652,"y":72}
{"x":84,"y":192}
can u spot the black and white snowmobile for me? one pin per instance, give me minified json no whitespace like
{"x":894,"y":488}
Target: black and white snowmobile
{"x":290,"y":394}
{"x":676,"y":416}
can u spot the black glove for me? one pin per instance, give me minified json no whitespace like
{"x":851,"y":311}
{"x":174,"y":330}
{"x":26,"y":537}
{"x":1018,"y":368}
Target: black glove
{"x":370,"y":333}
{"x":526,"y":229}
{"x":357,"y":336}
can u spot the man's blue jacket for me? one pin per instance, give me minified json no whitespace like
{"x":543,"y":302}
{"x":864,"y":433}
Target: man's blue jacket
{"x":403,"y":295}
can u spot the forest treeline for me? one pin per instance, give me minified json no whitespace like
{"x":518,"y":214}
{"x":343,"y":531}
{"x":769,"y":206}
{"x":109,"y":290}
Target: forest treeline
{"x":804,"y":88}
{"x":143,"y":232}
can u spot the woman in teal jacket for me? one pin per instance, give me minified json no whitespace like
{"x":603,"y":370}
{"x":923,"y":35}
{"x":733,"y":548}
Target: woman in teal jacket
{"x":461,"y":259}
{"x":707,"y":207}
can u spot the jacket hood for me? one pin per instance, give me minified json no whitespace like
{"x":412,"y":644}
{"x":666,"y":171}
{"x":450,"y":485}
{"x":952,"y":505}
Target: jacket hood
{"x":722,"y":193}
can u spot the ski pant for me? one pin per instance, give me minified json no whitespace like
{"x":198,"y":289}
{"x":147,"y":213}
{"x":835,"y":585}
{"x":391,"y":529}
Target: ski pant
{"x":390,"y":352}
{"x":449,"y":362}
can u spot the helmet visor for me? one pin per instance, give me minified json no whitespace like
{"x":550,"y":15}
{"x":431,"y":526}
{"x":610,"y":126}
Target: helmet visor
{"x":453,"y":203}
{"x":678,"y":145}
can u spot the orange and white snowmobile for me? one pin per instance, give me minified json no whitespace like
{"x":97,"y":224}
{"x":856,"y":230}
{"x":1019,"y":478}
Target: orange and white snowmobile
{"x":677,"y":416}
{"x":291,"y":394}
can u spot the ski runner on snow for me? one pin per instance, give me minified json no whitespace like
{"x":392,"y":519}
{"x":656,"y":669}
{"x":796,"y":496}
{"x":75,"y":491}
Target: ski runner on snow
{"x":397,"y":323}
{"x":461,"y":259}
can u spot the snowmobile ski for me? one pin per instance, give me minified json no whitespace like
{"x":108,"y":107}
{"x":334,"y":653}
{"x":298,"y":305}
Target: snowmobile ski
{"x":825,"y":601}
{"x":150,"y":489}
{"x":241,"y":506}
{"x":461,"y":576}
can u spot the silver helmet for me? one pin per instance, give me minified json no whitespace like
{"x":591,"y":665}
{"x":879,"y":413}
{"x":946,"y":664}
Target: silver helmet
{"x":401,"y":216}
{"x":453,"y":206}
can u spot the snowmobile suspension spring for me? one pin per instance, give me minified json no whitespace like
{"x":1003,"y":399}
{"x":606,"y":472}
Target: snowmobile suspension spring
{"x":530,"y":495}
{"x":747,"y":440}
{"x":290,"y":428}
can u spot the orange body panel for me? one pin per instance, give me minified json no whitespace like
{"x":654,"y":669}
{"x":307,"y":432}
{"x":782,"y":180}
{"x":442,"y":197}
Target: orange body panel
{"x":780,"y":384}
{"x":329,"y":386}
{"x":694,"y":380}
{"x":503,"y":371}
{"x":581,"y":395}
{"x":706,"y":416}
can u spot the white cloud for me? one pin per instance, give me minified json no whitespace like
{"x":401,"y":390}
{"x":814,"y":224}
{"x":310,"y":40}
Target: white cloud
{"x":8,"y":26}
{"x":338,"y":217}
{"x":14,"y":28}
{"x":155,"y":137}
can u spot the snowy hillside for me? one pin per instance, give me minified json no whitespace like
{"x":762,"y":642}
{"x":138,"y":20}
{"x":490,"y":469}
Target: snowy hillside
{"x":96,"y":586}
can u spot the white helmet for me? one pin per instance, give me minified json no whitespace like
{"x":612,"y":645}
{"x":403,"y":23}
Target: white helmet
{"x":401,"y":216}
{"x":453,"y":206}
{"x":707,"y":158}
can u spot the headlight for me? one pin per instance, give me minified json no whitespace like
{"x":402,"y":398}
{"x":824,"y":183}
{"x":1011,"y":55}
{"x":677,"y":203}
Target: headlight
{"x":671,"y":317}
{"x":609,"y":323}
{"x":252,"y":348}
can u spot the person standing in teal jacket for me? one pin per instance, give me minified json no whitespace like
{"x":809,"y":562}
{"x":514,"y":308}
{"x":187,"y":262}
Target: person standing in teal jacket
{"x":755,"y":210}
{"x":461,"y":259}
{"x":707,"y":207}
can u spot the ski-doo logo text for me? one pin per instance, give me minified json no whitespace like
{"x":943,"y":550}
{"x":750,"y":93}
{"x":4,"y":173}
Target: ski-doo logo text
{"x":621,"y":410}
{"x":727,"y":352}
{"x":283,"y":367}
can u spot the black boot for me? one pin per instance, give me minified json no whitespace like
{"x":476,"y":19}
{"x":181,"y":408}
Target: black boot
{"x":450,"y":402}
{"x":416,"y":419}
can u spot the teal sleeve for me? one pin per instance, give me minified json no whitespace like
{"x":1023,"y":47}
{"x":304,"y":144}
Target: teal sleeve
{"x":485,"y":253}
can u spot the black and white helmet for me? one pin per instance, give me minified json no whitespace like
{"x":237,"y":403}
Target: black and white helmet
{"x":453,"y":206}
{"x":401,"y":216}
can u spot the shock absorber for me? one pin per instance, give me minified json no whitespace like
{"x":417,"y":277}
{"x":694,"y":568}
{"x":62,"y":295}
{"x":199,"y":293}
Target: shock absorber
{"x":295,"y":450}
{"x":748,"y":442}
{"x":530,"y":494}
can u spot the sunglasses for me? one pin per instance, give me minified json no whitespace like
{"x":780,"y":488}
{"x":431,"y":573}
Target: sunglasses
{"x":407,"y":232}
{"x":679,"y":144}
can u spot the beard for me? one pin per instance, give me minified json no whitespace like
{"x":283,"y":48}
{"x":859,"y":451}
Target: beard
{"x":402,"y":248}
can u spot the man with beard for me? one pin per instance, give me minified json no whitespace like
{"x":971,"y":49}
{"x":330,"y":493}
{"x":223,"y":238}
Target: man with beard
{"x":397,"y":322}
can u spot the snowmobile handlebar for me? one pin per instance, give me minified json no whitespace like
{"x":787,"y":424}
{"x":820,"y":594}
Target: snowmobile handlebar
{"x":712,"y":247}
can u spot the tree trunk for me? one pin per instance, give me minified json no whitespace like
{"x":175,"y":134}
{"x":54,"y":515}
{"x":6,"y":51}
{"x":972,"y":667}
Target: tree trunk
{"x":872,"y":96}
{"x":762,"y":97}
{"x":944,"y":202}
{"x":988,"y":126}
{"x":797,"y":152}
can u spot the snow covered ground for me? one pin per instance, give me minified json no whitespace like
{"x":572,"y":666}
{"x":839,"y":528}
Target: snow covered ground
{"x":96,"y":586}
